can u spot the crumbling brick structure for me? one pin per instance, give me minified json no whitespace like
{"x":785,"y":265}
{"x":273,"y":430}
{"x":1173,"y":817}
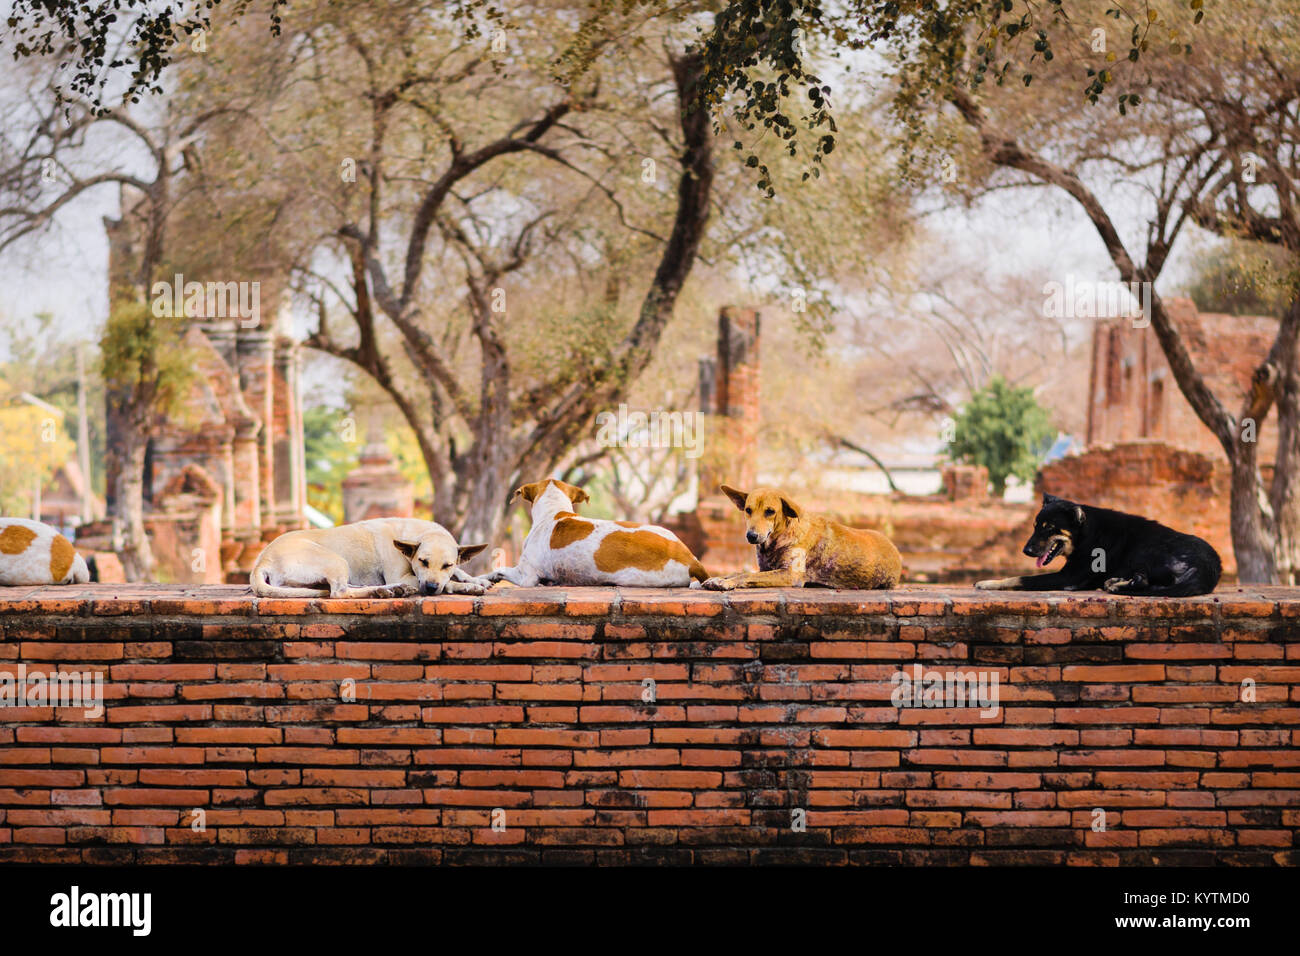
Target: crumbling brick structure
{"x":239,"y":431}
{"x":1132,"y":392}
{"x":376,"y":487}
{"x":729,"y":397}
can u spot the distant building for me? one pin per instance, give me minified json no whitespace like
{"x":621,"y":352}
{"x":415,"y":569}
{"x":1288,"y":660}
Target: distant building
{"x":376,"y":487}
{"x":62,"y":498}
{"x":1132,"y":392}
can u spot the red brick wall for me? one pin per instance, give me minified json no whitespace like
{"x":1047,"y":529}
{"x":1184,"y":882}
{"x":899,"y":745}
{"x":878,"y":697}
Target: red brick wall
{"x":767,"y":702}
{"x":1133,"y":392}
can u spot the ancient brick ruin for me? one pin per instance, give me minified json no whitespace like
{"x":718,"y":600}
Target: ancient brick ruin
{"x":226,"y":474}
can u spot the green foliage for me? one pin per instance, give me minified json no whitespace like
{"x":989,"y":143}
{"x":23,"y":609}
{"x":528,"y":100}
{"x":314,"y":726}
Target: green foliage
{"x":328,"y":458}
{"x":85,"y":33}
{"x":757,"y":51}
{"x":1243,"y":278}
{"x":1004,"y":429}
{"x":92,"y":38}
{"x":759,"y":64}
{"x":142,"y":360}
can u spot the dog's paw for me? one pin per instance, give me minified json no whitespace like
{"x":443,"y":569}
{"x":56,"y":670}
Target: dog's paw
{"x":987,"y":585}
{"x":719,"y":584}
{"x":1115,"y":585}
{"x":472,"y":586}
{"x":385,"y":592}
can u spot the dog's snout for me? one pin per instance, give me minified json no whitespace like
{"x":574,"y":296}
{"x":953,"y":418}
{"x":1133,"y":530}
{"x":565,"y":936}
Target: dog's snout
{"x":751,"y":537}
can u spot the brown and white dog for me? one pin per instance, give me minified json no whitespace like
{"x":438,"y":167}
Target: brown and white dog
{"x":796,"y":548}
{"x":34,"y":553}
{"x":563,"y":548}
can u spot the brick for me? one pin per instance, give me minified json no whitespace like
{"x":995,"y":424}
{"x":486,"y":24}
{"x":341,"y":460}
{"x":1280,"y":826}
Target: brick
{"x":765,"y":700}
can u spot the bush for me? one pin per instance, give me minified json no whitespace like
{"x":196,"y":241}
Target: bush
{"x":1004,"y":429}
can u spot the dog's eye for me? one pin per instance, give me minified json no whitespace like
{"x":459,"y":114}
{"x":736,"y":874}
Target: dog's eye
{"x":769,"y":512}
{"x":749,"y":511}
{"x":446,"y":566}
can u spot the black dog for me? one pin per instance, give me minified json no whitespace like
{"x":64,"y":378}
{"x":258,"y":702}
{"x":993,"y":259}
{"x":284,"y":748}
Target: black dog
{"x":1113,"y":551}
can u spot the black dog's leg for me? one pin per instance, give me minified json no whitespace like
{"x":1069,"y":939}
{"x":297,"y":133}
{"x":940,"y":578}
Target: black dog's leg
{"x":1133,"y":583}
{"x":1191,"y":581}
{"x":1052,"y":581}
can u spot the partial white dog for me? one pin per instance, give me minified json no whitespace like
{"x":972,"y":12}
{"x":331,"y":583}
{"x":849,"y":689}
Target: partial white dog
{"x":34,"y":553}
{"x":563,"y":548}
{"x":379,"y":558}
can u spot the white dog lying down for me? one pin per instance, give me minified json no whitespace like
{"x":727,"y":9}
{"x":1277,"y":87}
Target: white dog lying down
{"x":34,"y":553}
{"x":563,"y":548}
{"x":379,"y":558}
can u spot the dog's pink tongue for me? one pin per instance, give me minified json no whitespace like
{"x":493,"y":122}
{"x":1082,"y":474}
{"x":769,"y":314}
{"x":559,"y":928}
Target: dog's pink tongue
{"x":1042,"y":558}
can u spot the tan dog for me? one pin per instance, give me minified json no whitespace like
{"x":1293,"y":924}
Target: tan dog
{"x":379,"y":558}
{"x":563,"y":548}
{"x":796,"y":548}
{"x":34,"y":553}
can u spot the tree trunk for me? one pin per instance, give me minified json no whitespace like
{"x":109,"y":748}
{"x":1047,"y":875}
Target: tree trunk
{"x":136,"y":555}
{"x":1285,"y":500}
{"x":471,"y":488}
{"x":1285,"y":495}
{"x":1252,"y":541}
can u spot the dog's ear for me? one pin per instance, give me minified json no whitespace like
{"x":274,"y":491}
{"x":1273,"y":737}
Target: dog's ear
{"x":739,"y":497}
{"x":576,"y":495}
{"x":467,"y":551}
{"x":789,"y":508}
{"x":407,"y":548}
{"x":528,"y":492}
{"x":1079,"y":516}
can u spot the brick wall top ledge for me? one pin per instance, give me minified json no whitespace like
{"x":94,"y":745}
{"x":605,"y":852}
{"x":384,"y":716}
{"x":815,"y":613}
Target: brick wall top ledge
{"x":128,"y":601}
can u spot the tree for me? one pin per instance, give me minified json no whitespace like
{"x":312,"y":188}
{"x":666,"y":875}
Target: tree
{"x":1241,"y":277}
{"x":53,"y":151}
{"x":765,"y":59}
{"x":1214,"y":146}
{"x":33,"y":444}
{"x":1004,"y":429}
{"x":43,"y":363}
{"x":484,"y":175}
{"x":755,"y":51}
{"x":147,"y":371}
{"x":101,"y":40}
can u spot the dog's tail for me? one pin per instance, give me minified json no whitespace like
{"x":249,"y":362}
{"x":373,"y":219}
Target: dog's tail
{"x":264,"y":588}
{"x":698,"y":572}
